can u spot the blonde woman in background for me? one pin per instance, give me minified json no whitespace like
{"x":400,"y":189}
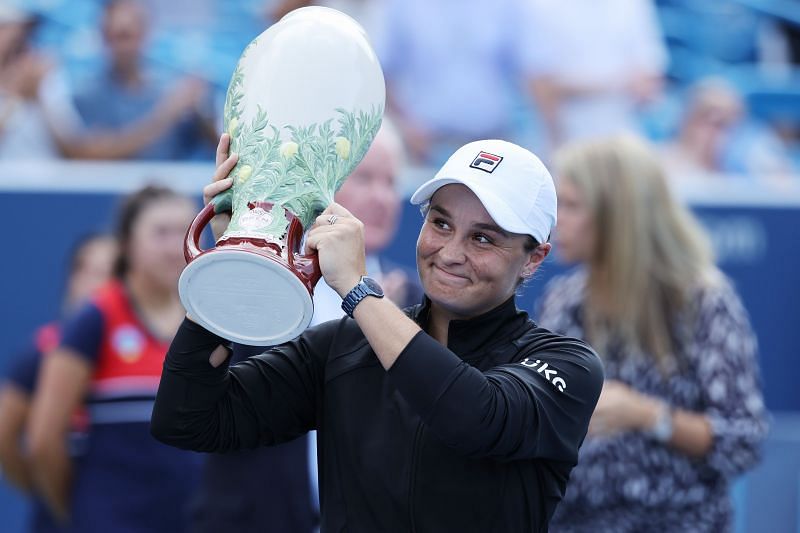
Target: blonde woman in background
{"x":681,"y":412}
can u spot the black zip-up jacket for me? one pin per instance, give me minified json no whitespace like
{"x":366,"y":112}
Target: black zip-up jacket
{"x":480,"y":435}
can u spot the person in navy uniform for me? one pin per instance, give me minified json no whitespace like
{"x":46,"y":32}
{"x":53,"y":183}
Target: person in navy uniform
{"x":90,"y":265}
{"x":109,"y":360}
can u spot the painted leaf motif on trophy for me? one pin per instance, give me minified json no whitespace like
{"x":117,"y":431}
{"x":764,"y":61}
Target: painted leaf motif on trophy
{"x":303,"y":173}
{"x":232,"y":111}
{"x":296,"y":167}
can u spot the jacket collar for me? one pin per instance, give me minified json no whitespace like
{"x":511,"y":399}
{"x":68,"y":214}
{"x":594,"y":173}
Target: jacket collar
{"x":468,"y":338}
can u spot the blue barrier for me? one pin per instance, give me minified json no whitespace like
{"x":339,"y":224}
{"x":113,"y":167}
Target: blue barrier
{"x":756,"y":236}
{"x":755,"y":229}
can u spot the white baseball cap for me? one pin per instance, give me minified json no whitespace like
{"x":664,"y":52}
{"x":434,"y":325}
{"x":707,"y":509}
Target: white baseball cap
{"x":511,"y":182}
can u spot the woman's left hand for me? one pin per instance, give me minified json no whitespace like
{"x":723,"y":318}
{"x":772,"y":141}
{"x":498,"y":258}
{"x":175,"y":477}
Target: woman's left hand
{"x":622,"y":408}
{"x":338,"y":239}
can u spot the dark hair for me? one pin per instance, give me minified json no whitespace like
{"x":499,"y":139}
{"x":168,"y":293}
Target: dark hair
{"x":130,"y":210}
{"x":110,"y":5}
{"x":75,"y":254}
{"x":530,"y":243}
{"x":23,"y":44}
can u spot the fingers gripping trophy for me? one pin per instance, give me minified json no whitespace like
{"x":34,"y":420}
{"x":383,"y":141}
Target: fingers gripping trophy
{"x":303,"y":105}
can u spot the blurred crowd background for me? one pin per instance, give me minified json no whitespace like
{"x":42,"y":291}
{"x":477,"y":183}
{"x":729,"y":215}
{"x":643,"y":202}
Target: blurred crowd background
{"x":713,"y":83}
{"x":99,"y":98}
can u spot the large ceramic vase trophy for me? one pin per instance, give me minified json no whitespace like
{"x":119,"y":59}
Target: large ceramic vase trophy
{"x":302,"y":108}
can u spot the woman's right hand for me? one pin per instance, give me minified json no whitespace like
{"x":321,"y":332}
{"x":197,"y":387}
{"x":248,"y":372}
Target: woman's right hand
{"x":221,"y":182}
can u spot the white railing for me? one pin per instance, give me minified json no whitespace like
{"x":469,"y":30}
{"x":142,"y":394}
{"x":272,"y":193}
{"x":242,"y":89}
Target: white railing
{"x":189,"y":178}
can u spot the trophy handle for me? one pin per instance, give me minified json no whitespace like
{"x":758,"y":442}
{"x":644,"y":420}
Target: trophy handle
{"x":191,"y":243}
{"x":306,"y":265}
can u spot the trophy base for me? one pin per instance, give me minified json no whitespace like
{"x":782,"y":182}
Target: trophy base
{"x":245,"y":297}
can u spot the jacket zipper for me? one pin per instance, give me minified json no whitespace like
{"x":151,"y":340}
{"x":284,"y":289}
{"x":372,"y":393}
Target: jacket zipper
{"x":413,"y":475}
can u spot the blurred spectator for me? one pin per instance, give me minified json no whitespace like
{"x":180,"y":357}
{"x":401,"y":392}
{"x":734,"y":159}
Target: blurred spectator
{"x":109,"y":360}
{"x":89,"y":267}
{"x":275,"y":488}
{"x":715,"y":137}
{"x":597,"y":62}
{"x":681,"y":413}
{"x":34,"y":100}
{"x":127,"y":111}
{"x":453,"y":70}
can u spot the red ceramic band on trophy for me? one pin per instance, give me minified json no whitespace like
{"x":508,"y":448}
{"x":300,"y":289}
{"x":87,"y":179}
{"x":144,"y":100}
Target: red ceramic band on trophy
{"x":285,"y":252}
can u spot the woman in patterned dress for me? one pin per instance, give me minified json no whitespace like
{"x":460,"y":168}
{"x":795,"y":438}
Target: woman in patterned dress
{"x":681,"y":413}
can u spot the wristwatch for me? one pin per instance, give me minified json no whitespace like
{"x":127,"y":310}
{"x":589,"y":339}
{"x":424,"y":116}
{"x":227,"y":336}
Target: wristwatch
{"x":365,"y":287}
{"x":662,"y":430}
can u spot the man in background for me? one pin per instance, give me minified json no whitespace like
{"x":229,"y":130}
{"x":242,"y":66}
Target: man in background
{"x":128,"y":112}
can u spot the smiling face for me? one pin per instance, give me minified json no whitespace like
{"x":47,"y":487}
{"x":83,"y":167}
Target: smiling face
{"x":467,"y":263}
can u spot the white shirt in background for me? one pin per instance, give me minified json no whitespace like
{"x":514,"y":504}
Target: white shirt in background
{"x":596,"y":43}
{"x":454,"y":66}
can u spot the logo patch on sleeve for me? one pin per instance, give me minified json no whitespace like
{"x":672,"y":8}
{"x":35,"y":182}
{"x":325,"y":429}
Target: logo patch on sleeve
{"x":486,"y":162}
{"x":550,"y":374}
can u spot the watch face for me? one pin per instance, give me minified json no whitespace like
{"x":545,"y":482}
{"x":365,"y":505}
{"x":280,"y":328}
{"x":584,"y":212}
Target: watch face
{"x":373,"y":286}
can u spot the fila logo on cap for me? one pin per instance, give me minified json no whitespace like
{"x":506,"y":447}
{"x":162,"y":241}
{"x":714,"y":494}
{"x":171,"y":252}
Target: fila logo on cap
{"x":486,"y":162}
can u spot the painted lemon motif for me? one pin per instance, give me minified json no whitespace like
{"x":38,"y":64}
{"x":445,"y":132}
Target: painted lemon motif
{"x":342,"y":147}
{"x":232,"y":127}
{"x":244,"y":173}
{"x":289,"y":149}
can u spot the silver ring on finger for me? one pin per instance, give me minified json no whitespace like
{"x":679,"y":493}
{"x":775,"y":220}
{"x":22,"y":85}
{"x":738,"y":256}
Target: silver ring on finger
{"x":332,"y":219}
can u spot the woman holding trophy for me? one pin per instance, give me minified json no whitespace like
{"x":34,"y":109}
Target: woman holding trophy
{"x":459,"y":414}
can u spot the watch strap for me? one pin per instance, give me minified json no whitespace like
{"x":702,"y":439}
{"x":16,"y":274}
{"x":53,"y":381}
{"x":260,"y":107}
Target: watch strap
{"x":356,"y":294}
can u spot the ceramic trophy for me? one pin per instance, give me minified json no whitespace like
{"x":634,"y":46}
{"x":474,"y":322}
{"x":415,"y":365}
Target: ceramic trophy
{"x":302,"y":108}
